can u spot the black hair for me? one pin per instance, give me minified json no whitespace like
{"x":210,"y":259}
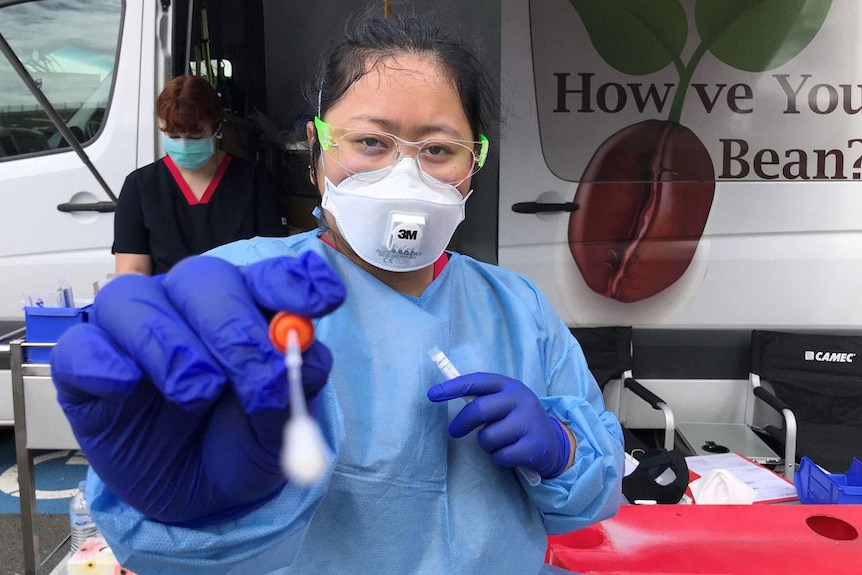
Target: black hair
{"x":368,"y":39}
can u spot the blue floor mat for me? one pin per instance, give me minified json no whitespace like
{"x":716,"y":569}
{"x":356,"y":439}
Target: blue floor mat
{"x":57,"y":475}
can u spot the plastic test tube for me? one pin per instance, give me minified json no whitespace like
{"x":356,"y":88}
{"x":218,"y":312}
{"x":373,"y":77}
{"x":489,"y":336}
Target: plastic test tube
{"x":449,"y":371}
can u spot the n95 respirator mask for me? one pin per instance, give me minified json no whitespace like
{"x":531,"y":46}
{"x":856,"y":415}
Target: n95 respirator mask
{"x":398,"y":222}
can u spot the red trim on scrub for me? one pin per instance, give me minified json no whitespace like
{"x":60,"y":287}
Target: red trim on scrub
{"x":327,"y":242}
{"x":187,"y":191}
{"x":439,"y":264}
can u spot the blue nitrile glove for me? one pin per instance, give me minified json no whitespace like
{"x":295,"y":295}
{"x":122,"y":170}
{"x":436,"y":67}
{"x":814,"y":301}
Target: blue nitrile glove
{"x":517,"y":431}
{"x":174,"y":391}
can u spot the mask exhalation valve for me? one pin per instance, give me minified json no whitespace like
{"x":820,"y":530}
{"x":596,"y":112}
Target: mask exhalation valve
{"x":404,"y":231}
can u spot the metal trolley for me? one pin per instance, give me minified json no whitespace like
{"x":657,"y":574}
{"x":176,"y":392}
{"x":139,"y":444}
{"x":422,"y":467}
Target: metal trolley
{"x":39,"y":424}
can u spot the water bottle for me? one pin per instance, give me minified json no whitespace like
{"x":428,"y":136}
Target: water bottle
{"x":83,"y":526}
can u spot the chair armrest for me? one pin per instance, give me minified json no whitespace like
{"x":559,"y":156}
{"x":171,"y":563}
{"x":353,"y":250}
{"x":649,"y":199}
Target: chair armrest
{"x":643,"y":393}
{"x":657,"y":403}
{"x":770,"y":399}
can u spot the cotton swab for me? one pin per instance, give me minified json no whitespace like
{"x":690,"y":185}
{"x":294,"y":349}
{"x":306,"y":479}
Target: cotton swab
{"x":302,"y":452}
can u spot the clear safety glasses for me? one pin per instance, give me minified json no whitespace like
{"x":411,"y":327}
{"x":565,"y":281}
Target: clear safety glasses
{"x":372,"y":155}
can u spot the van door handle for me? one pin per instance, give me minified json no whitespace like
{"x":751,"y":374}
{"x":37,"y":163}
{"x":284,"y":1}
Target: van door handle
{"x":541,"y":207}
{"x":101,"y":207}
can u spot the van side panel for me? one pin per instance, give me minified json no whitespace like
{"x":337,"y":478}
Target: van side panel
{"x":716,"y":161}
{"x":41,"y":245}
{"x":717,"y":172}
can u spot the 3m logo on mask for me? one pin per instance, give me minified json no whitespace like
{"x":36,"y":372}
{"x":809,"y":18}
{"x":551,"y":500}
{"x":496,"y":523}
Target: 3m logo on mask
{"x":830,"y":356}
{"x":404,"y":232}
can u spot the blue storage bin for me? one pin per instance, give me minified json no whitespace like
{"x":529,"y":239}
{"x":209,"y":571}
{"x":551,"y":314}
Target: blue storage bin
{"x":815,"y":486}
{"x":46,"y":325}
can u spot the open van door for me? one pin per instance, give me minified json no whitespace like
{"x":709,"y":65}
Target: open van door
{"x":70,"y":75}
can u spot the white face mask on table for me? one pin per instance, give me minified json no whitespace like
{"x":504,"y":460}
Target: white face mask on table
{"x":397,"y":223}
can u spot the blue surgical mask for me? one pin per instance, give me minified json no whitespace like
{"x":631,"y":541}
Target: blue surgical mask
{"x":187,"y":153}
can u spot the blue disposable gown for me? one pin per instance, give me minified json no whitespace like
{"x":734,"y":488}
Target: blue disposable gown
{"x":403,"y":496}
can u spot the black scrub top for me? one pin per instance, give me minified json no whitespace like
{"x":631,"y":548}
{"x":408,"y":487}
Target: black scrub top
{"x":157,"y":214}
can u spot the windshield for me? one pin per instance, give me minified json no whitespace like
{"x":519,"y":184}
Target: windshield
{"x":70,"y":49}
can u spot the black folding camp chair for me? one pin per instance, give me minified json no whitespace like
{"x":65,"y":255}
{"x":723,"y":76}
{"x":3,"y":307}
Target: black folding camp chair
{"x":815,"y":382}
{"x":608,"y":351}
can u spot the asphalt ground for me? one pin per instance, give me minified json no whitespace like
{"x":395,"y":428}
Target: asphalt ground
{"x":56,"y":475}
{"x":51,"y":530}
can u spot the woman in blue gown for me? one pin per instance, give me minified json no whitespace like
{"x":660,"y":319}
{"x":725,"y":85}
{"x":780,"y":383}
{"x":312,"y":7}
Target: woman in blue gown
{"x":178,"y":398}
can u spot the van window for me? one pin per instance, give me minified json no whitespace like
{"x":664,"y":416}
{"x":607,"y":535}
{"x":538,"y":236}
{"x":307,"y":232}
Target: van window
{"x":69,"y":48}
{"x":220,"y":68}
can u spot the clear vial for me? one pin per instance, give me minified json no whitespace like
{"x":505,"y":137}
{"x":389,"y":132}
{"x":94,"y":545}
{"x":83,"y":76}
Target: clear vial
{"x":82,"y":524}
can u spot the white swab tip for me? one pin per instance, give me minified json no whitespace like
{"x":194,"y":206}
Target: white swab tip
{"x":302,"y":456}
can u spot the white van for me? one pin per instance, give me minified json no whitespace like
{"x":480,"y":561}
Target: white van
{"x":84,"y":58}
{"x":714,"y":151}
{"x":73,"y":124}
{"x":691,"y":169}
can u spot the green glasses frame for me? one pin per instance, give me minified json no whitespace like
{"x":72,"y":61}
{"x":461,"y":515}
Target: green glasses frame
{"x":324,"y":135}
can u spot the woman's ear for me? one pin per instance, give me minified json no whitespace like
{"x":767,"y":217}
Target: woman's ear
{"x":312,"y":138}
{"x":311,"y":135}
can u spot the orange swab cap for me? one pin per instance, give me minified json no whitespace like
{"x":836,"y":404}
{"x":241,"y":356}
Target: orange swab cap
{"x":281,"y":325}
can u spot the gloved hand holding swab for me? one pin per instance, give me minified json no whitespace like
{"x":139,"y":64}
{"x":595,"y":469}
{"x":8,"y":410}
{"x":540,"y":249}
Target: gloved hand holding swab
{"x":302,"y":451}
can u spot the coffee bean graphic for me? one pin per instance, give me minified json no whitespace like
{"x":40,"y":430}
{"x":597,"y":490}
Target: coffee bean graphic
{"x":644,"y":201}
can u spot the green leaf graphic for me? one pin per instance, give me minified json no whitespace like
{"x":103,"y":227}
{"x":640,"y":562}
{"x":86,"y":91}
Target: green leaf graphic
{"x":758,"y":35}
{"x":635,"y":36}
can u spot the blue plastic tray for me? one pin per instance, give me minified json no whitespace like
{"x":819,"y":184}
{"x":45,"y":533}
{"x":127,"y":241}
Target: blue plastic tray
{"x":46,"y":325}
{"x":815,"y":486}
